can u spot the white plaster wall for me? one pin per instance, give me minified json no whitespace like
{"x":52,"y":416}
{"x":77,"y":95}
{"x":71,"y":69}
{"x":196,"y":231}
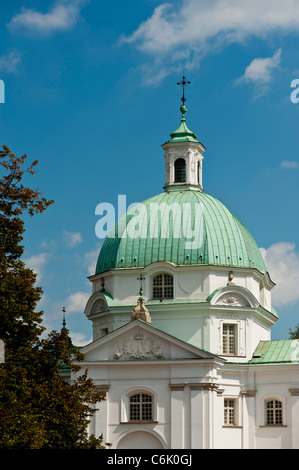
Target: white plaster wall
{"x":190,"y":282}
{"x":188,"y":417}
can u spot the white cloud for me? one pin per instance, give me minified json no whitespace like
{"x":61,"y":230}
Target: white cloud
{"x":289,"y":164}
{"x":260,"y":71}
{"x":174,"y":35}
{"x":282,"y":262}
{"x":9,"y":62}
{"x":90,"y":261}
{"x":72,"y":239}
{"x":75,"y":303}
{"x":37,"y":264}
{"x":79,"y":339}
{"x":63,"y":16}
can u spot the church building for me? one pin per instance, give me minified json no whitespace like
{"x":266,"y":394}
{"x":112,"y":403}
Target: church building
{"x":188,"y":363}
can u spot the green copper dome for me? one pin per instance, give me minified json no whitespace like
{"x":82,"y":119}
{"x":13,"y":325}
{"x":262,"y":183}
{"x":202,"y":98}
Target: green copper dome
{"x":183,"y":227}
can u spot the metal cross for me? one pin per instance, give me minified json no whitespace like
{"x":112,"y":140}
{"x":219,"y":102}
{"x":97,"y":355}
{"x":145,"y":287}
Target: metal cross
{"x":63,"y":319}
{"x":141,"y":278}
{"x":183,"y":83}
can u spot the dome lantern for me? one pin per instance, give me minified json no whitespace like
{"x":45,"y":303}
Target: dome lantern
{"x":183,"y":156}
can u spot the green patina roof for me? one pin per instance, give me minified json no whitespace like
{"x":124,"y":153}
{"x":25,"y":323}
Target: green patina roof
{"x":278,"y":351}
{"x":183,"y":134}
{"x":222,"y":238}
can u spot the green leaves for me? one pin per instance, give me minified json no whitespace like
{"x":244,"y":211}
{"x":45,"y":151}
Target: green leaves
{"x":39,"y":408}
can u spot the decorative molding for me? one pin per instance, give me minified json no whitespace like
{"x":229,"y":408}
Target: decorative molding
{"x":204,"y":386}
{"x":294,"y":392}
{"x":99,"y":306}
{"x":248,"y":393}
{"x":232,"y":301}
{"x":103,"y":388}
{"x":177,"y":387}
{"x":138,"y":346}
{"x":141,"y":311}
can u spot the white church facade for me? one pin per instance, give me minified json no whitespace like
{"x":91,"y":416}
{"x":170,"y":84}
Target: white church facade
{"x":188,"y":363}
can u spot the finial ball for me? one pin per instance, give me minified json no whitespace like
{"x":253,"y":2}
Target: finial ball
{"x":183,"y":109}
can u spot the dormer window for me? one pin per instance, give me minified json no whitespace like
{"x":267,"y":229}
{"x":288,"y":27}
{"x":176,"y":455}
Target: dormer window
{"x":163,"y":287}
{"x":180,"y":171}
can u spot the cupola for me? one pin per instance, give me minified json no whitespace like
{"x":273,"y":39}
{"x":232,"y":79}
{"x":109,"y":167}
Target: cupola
{"x":183,"y":156}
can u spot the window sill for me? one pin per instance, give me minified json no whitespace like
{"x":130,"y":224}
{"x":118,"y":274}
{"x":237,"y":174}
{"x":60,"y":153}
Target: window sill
{"x":233,"y":355}
{"x":232,"y":426}
{"x":273,"y":426}
{"x":139,"y":422}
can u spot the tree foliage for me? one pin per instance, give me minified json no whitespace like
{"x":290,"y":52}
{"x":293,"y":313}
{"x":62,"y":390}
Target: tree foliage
{"x":39,"y":408}
{"x":294,"y":334}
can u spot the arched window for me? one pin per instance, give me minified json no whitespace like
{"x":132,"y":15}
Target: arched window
{"x":141,"y":407}
{"x":273,"y":412}
{"x":180,"y":171}
{"x":163,"y":287}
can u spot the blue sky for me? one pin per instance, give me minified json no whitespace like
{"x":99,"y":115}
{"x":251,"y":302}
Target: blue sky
{"x":90,"y":91}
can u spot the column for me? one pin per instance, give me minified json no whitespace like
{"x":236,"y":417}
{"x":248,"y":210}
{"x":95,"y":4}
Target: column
{"x":101,"y":415}
{"x":188,"y":160}
{"x":177,"y":416}
{"x":202,"y":415}
{"x":248,"y":419}
{"x":197,"y":420}
{"x":295,"y":413}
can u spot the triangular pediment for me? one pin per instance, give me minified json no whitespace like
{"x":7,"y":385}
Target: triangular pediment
{"x":140,"y":341}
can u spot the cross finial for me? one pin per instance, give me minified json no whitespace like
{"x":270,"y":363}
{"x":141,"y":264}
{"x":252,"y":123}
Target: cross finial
{"x":63,"y":317}
{"x":141,"y":278}
{"x":183,"y":83}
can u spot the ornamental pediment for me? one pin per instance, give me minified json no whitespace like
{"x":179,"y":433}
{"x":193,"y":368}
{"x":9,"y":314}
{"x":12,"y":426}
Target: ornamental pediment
{"x":139,"y":341}
{"x":138,"y":346}
{"x":233,"y":300}
{"x":233,"y":296}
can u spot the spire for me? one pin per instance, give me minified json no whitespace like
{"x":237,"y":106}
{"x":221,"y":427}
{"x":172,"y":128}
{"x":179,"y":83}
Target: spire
{"x":183,"y":134}
{"x":63,"y":319}
{"x":183,"y":83}
{"x":183,"y":155}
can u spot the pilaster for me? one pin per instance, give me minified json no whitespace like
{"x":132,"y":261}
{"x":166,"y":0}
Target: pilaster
{"x":294,"y":417}
{"x":177,"y":416}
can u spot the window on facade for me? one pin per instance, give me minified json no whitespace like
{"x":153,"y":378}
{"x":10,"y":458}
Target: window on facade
{"x":229,"y":339}
{"x":141,"y":407}
{"x":180,"y":171}
{"x":229,"y":412}
{"x":274,"y":412}
{"x":163,"y":287}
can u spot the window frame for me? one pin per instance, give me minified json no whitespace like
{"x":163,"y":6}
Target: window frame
{"x":227,"y":411}
{"x":180,"y":172}
{"x":227,"y":352}
{"x":140,"y":406}
{"x":125,"y":416}
{"x":163,"y":286}
{"x":275,"y":409}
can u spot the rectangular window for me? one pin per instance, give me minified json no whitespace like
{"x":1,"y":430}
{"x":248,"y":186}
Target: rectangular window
{"x":229,"y":339}
{"x":229,"y":412}
{"x":163,"y":287}
{"x":141,"y":407}
{"x":274,"y":412}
